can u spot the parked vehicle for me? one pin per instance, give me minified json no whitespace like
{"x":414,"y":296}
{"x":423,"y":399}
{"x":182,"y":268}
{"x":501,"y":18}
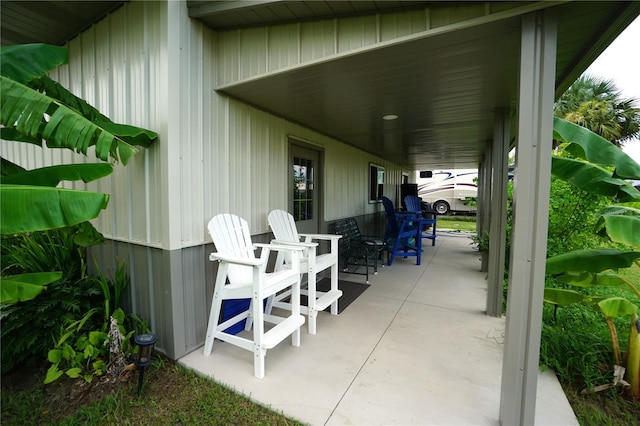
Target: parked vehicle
{"x":449,"y":190}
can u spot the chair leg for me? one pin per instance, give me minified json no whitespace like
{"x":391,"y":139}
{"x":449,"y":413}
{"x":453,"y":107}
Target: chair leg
{"x":311,"y":299}
{"x":258,"y":362}
{"x":214,"y":315}
{"x":334,"y":286}
{"x":365,"y":263}
{"x":249,"y":321}
{"x":216,"y":307}
{"x":295,"y":311}
{"x":258,"y":334}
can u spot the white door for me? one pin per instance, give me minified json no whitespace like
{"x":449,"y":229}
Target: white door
{"x":305,"y":192}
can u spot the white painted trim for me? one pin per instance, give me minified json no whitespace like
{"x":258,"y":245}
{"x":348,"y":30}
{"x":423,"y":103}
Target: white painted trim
{"x":171,"y":147}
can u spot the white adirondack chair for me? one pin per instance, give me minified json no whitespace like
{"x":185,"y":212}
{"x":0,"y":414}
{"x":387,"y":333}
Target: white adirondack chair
{"x":285,"y":231}
{"x":247,"y":278}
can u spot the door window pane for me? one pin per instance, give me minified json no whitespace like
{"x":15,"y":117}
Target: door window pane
{"x":303,"y":177}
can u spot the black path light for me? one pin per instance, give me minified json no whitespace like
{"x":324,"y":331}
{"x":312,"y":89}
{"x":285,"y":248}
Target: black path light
{"x":145,"y":344}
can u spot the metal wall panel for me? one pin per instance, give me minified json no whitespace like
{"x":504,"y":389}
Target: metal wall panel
{"x":232,"y":157}
{"x":317,"y":39}
{"x":253,"y":48}
{"x":283,"y":46}
{"x":114,"y":66}
{"x":247,"y":164}
{"x":227,"y":53}
{"x":357,"y":32}
{"x":394,"y":25}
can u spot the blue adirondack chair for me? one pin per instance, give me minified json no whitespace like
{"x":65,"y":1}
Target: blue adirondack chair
{"x":414,"y":205}
{"x":403,"y":234}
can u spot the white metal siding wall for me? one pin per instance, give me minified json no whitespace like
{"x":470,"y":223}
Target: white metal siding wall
{"x":232,"y":157}
{"x":257,"y":168}
{"x":114,"y":66}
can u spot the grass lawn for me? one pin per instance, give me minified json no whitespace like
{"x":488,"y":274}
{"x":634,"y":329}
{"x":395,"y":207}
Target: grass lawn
{"x":458,"y":223}
{"x":170,"y":395}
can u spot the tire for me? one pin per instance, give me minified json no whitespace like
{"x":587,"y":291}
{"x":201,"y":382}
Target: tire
{"x":442,"y":207}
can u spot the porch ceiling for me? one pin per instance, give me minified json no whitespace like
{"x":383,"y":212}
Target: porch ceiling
{"x":51,"y":22}
{"x":444,"y":88}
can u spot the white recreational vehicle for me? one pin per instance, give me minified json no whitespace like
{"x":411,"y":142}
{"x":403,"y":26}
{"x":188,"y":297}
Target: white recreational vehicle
{"x":449,"y":190}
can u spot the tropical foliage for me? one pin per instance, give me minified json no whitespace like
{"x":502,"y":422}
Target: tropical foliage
{"x":597,"y":105}
{"x":84,"y":347}
{"x":594,"y":165}
{"x":35,"y":109}
{"x":29,"y":327}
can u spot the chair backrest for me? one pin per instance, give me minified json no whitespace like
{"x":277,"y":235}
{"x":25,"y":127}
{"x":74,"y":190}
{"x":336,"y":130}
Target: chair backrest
{"x":283,"y":226}
{"x":350,"y":232}
{"x":413,"y":204}
{"x":231,"y":236}
{"x":392,"y":220}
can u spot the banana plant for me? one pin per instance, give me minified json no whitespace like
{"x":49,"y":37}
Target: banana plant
{"x":35,"y":109}
{"x":600,"y":167}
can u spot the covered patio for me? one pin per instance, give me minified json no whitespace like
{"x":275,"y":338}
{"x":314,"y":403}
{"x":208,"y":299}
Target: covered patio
{"x":415,"y":348}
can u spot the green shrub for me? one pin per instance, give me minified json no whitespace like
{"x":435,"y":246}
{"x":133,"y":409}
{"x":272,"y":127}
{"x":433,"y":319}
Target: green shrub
{"x":30,"y":328}
{"x":573,"y":214}
{"x":575,"y":344}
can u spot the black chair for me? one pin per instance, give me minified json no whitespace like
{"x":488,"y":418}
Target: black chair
{"x":355,"y":249}
{"x":415,"y":206}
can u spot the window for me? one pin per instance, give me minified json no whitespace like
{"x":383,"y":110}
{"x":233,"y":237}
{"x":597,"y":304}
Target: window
{"x":376,"y":183}
{"x":303,"y":177}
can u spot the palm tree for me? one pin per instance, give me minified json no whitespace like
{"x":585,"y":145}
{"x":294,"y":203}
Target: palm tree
{"x":598,"y":105}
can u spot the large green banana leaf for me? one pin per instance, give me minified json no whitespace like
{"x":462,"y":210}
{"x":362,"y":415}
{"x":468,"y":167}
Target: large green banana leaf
{"x":18,"y":288}
{"x":588,"y":279}
{"x":8,"y":168}
{"x":623,"y":229}
{"x":26,"y":62}
{"x":53,"y":175}
{"x":597,"y":260}
{"x":594,"y":179}
{"x":8,"y":134}
{"x":562,"y":297}
{"x":589,"y":146}
{"x":28,"y":65}
{"x":131,"y":134}
{"x":35,"y":208}
{"x":26,"y":110}
{"x":613,"y":307}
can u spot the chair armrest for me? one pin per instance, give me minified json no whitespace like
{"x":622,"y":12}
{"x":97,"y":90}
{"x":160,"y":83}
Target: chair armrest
{"x":408,"y":215}
{"x":301,"y":244}
{"x":235,"y":260}
{"x":328,"y":237}
{"x":373,"y":239}
{"x":288,"y":246}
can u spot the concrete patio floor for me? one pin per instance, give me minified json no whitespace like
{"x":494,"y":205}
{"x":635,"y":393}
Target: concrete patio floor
{"x":414,"y":349}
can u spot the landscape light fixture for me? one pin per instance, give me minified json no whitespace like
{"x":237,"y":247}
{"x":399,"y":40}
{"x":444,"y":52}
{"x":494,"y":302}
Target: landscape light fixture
{"x":145,"y":344}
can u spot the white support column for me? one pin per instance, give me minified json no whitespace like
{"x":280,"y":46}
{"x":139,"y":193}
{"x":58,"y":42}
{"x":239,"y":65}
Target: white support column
{"x":484,"y":201}
{"x":531,"y":200}
{"x":498,"y":219}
